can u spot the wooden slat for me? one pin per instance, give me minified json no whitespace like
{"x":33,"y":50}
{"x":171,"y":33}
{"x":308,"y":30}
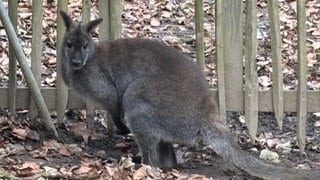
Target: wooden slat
{"x":219,"y":57}
{"x":251,"y":79}
{"x":62,"y":90}
{"x":265,"y":103}
{"x":36,"y":46}
{"x":104,"y":34}
{"x":115,"y":19}
{"x":86,"y":13}
{"x":90,"y":108}
{"x":34,"y":89}
{"x":302,"y":72}
{"x":104,"y":10}
{"x":199,"y":34}
{"x":233,"y":51}
{"x":12,"y":6}
{"x":110,"y":29}
{"x":49,"y":95}
{"x":277,"y":83}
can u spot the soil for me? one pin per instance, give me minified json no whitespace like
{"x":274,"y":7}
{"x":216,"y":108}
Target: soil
{"x":113,"y":148}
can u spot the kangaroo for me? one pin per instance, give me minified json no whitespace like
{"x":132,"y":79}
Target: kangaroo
{"x":160,"y":95}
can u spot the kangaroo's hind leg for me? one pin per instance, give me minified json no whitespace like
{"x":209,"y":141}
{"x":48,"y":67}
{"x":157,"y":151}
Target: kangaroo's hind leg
{"x":154,"y":151}
{"x":167,"y":155}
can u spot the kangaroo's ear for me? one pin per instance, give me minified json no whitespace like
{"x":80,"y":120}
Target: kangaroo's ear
{"x":90,"y":26}
{"x":67,"y":20}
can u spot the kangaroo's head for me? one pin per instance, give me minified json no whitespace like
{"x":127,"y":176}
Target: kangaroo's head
{"x":78,"y":46}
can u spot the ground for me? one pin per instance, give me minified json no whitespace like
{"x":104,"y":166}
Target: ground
{"x":28,"y":153}
{"x":80,"y":153}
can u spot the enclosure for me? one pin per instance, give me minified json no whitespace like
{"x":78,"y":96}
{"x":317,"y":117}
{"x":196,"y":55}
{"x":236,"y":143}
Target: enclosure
{"x":258,"y":56}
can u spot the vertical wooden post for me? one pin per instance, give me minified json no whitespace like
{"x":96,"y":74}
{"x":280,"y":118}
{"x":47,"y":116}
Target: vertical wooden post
{"x":115,"y":19}
{"x":251,"y":77}
{"x":12,"y":6}
{"x":233,"y":51}
{"x":110,"y":29}
{"x":219,"y":57}
{"x":36,"y":46}
{"x":199,"y":34}
{"x":302,"y":72}
{"x":62,"y":90}
{"x":104,"y":12}
{"x":86,"y":14}
{"x":34,"y":89}
{"x":90,"y":108}
{"x":104,"y":34}
{"x":277,"y":83}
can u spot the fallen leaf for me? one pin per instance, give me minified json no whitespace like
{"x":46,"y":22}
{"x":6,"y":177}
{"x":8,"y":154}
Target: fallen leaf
{"x":3,"y":120}
{"x":317,"y":114}
{"x":83,"y":170}
{"x":122,"y":145}
{"x":52,"y":144}
{"x":316,"y":45}
{"x":34,"y":135}
{"x":53,"y":172}
{"x":242,"y":119}
{"x":269,"y":155}
{"x":197,"y":177}
{"x":317,"y":124}
{"x":31,"y":165}
{"x":271,"y":143}
{"x":80,"y":129}
{"x":264,"y":81}
{"x":111,"y":170}
{"x":64,"y":151}
{"x":155,"y":22}
{"x":19,"y":133}
{"x":141,"y":173}
{"x":73,"y":148}
{"x":126,"y":162}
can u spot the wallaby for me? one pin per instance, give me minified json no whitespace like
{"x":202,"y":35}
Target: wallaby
{"x":159,"y":94}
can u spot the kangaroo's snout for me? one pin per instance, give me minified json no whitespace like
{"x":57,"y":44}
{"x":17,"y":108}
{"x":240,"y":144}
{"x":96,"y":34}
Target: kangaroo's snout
{"x":76,"y":63}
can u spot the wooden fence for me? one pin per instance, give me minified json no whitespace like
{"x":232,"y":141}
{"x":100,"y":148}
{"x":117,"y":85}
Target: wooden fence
{"x":232,"y":94}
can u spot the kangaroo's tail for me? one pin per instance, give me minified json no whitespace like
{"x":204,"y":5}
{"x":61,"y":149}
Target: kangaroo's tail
{"x":219,"y":137}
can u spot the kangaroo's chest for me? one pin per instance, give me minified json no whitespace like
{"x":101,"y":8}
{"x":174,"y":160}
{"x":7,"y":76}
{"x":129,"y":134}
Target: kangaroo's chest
{"x":94,"y":85}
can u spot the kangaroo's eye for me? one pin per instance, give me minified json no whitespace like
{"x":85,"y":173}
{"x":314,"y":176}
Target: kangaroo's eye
{"x":85,"y":45}
{"x":69,"y":45}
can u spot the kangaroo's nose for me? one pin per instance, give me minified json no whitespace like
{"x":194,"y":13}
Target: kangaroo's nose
{"x":76,"y":61}
{"x":76,"y":64}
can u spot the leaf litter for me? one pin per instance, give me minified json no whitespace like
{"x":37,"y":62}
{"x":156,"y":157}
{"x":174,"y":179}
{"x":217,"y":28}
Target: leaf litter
{"x":88,"y":154}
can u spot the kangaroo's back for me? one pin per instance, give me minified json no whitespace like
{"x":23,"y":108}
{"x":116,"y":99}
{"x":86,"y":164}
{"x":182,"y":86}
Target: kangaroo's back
{"x":145,"y":57}
{"x":126,"y":60}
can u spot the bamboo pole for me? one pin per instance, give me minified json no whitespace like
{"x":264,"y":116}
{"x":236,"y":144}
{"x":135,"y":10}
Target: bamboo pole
{"x":199,"y":34}
{"x":62,"y":90}
{"x":277,"y":83}
{"x":34,"y":89}
{"x":302,"y":72}
{"x":13,"y":7}
{"x":219,"y":57}
{"x":36,"y":46}
{"x":251,"y":79}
